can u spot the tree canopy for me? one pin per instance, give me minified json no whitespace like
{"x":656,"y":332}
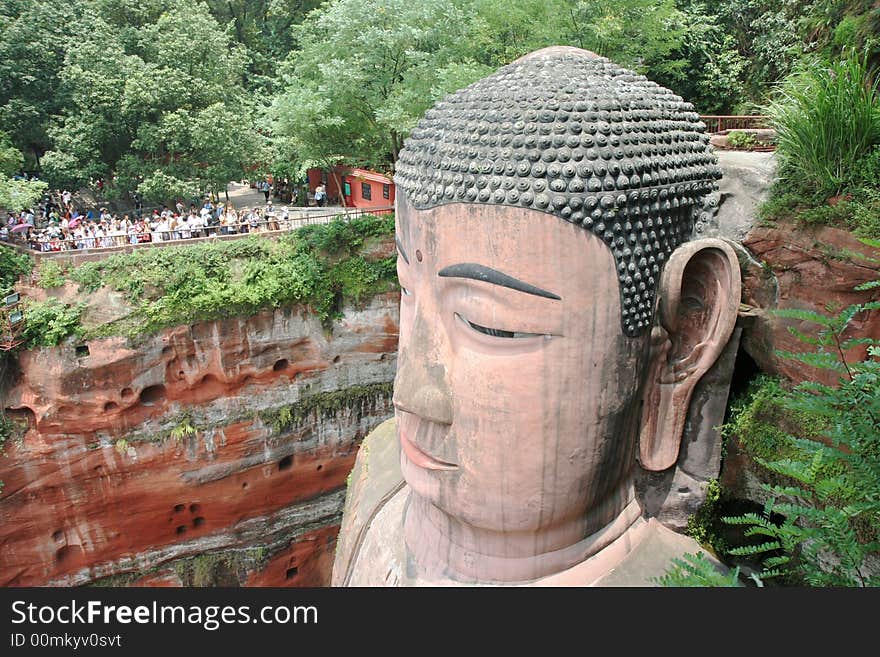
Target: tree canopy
{"x":172,"y":98}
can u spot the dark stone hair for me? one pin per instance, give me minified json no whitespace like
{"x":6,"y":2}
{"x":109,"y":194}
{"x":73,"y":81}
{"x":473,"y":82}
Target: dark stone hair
{"x":566,"y":132}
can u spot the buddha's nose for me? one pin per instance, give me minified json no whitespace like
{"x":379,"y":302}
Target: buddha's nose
{"x":422,"y":386}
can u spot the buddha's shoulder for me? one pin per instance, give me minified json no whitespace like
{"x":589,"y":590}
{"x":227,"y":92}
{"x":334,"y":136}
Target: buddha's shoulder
{"x":653,"y":556}
{"x":375,"y":478}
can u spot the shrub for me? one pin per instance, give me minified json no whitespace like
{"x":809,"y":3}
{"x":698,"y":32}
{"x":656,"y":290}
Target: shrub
{"x":48,"y":323}
{"x":831,"y":532}
{"x":742,"y":140}
{"x":12,"y":265}
{"x":827,"y":118}
{"x":50,"y":274}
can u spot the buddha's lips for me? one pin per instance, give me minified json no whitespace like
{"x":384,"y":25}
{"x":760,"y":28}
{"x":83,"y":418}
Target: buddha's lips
{"x":415,"y":455}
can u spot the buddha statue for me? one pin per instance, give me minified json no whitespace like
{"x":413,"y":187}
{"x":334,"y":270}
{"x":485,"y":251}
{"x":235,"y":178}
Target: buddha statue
{"x":557,"y":310}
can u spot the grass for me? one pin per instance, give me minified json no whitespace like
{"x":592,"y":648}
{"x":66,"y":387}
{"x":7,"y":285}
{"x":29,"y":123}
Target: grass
{"x":827,"y":119}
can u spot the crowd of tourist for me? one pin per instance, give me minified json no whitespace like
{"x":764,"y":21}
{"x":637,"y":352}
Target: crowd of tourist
{"x":58,"y":226}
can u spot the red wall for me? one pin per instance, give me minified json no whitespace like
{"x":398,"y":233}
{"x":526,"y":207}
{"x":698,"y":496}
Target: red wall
{"x":355,"y":178}
{"x":377,"y":199}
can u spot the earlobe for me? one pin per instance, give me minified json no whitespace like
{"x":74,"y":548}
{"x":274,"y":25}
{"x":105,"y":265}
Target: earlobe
{"x":699,"y":296}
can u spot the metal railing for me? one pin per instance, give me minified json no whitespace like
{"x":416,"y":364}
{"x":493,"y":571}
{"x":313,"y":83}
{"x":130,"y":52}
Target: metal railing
{"x":720,"y":123}
{"x":269,"y":226}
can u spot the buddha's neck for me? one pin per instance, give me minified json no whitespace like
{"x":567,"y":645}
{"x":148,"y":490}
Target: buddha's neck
{"x":441,"y":546}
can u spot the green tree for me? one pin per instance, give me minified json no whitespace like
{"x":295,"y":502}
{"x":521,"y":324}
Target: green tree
{"x":34,"y":37}
{"x":157,"y":99}
{"x":15,"y":194}
{"x":367,"y":70}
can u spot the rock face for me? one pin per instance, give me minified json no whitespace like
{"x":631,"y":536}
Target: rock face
{"x":807,"y":269}
{"x":745,"y":184}
{"x":215,"y":453}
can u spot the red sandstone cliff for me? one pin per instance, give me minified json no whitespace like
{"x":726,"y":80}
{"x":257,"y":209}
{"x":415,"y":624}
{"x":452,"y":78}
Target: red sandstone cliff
{"x":210,"y":453}
{"x":808,"y":269}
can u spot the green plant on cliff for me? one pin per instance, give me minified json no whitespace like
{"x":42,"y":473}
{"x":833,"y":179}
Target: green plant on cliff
{"x":50,"y":274}
{"x":830,"y":535}
{"x":182,"y":429}
{"x":320,"y":266}
{"x":355,"y":398}
{"x":48,"y":323}
{"x":704,"y":525}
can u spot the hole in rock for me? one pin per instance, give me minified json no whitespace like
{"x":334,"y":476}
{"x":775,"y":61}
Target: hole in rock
{"x":280,"y":365}
{"x":82,"y":350}
{"x":166,"y":351}
{"x":383,"y":356}
{"x":198,"y":522}
{"x":194,"y":508}
{"x":210,"y":386}
{"x":336,"y":359}
{"x":110,"y":406}
{"x":179,"y":507}
{"x":181,"y":529}
{"x":23,"y":414}
{"x":285,"y":463}
{"x":58,"y":536}
{"x":320,"y":467}
{"x":291,"y":573}
{"x":69,"y":553}
{"x":152,"y":394}
{"x":126,"y":393}
{"x":244,"y":485}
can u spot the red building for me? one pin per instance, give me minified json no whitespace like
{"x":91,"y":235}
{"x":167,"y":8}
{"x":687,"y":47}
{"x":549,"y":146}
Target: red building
{"x":360,"y":187}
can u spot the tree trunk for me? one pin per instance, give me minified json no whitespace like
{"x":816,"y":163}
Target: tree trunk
{"x":338,"y":186}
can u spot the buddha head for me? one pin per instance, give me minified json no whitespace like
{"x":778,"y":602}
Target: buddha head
{"x":557,"y":310}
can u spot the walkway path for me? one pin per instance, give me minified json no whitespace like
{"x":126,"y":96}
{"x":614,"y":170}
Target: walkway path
{"x":242,"y":196}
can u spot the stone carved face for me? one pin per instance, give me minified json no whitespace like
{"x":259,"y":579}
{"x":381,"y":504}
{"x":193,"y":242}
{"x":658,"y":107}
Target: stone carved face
{"x":516,"y":392}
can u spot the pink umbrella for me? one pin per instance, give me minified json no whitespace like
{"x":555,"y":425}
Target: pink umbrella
{"x":73,"y":223}
{"x":20,"y":228}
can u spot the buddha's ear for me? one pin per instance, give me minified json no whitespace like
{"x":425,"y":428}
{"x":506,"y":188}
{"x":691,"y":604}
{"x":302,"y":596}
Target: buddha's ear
{"x":699,"y":298}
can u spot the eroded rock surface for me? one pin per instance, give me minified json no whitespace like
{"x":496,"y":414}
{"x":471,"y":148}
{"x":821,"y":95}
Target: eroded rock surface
{"x":211,"y":453}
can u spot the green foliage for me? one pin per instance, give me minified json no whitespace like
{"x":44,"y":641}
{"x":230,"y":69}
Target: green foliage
{"x":831,"y":529}
{"x":150,"y":106}
{"x":12,"y":265}
{"x":48,"y":323}
{"x":226,"y":568}
{"x":325,"y":404}
{"x":763,"y":423}
{"x":697,"y":570}
{"x":858,"y":211}
{"x":50,"y":274}
{"x":182,"y":429}
{"x":741,"y":140}
{"x":320,"y":266}
{"x":827,"y":118}
{"x":704,"y":525}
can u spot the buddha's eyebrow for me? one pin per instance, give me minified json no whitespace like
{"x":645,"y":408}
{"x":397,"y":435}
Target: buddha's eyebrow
{"x":489,"y":275}
{"x":401,"y":249}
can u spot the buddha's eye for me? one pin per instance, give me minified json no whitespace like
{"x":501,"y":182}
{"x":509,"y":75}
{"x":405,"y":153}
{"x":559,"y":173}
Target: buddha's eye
{"x":496,"y":333}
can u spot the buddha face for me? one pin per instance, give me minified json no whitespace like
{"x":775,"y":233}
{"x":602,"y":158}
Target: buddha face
{"x":516,"y":392}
